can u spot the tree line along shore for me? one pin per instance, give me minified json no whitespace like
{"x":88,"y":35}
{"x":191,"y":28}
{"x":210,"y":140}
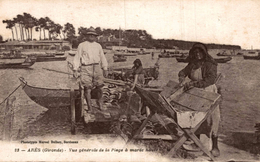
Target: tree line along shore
{"x":23,"y":26}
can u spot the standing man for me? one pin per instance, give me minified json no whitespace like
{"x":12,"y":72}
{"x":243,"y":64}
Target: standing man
{"x":91,"y":65}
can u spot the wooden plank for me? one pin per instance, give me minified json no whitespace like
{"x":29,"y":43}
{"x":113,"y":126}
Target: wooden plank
{"x":175,"y":94}
{"x":163,"y":137}
{"x":193,"y":102}
{"x":198,"y":143}
{"x":177,"y":145}
{"x":193,"y":99}
{"x":168,"y":107}
{"x":117,"y":82}
{"x":203,"y":94}
{"x":154,"y":89}
{"x":8,"y":118}
{"x":82,"y":98}
{"x":163,"y":123}
{"x":137,"y":133}
{"x":150,"y":98}
{"x":210,"y":111}
{"x":169,"y":89}
{"x":73,"y":113}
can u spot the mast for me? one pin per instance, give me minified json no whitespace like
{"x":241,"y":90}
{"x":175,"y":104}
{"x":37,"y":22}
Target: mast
{"x":120,"y":37}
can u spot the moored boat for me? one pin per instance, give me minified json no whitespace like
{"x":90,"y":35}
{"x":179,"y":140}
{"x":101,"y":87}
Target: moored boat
{"x":218,"y":60}
{"x":125,"y":54}
{"x":144,"y":53}
{"x":26,"y":64}
{"x":59,"y":53}
{"x":72,"y":52}
{"x":169,"y":55}
{"x":119,"y":58}
{"x":126,"y":74}
{"x":52,"y":98}
{"x":50,"y":58}
{"x":254,"y":55}
{"x":223,"y":60}
{"x":181,"y":59}
{"x":46,"y":97}
{"x":14,"y":59}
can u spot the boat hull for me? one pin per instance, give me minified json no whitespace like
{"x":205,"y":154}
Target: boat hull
{"x":48,"y":98}
{"x":125,"y":54}
{"x":223,"y":60}
{"x":252,"y":57}
{"x":218,"y":60}
{"x":161,"y":56}
{"x":72,"y":54}
{"x":17,"y":66}
{"x":12,"y":60}
{"x":182,"y":59}
{"x":25,"y":64}
{"x":47,"y":59}
{"x":119,"y":60}
{"x":149,"y":72}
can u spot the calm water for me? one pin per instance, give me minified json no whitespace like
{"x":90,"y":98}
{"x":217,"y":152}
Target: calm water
{"x":240,"y":108}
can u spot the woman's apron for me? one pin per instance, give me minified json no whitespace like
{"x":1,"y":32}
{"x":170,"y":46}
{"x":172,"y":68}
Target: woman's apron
{"x":212,"y":123}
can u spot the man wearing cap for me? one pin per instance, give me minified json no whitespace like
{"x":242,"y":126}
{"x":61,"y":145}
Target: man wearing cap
{"x":91,"y":65}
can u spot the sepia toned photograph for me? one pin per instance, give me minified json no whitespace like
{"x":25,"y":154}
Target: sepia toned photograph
{"x":129,"y":80}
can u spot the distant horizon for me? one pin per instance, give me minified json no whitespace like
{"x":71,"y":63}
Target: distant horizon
{"x":76,"y":34}
{"x":126,"y":46}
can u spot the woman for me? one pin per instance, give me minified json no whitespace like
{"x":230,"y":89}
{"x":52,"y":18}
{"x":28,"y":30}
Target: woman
{"x":138,"y":73}
{"x":202,"y":71}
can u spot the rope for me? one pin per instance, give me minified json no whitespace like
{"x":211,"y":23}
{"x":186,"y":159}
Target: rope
{"x":10,"y":94}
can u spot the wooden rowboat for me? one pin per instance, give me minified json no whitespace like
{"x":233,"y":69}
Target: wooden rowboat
{"x":25,"y":64}
{"x":119,"y":58}
{"x":46,"y":97}
{"x":182,"y":59}
{"x":16,"y":61}
{"x":125,"y":54}
{"x":54,"y":98}
{"x":223,"y":60}
{"x":47,"y":58}
{"x":254,"y":55}
{"x":218,"y":60}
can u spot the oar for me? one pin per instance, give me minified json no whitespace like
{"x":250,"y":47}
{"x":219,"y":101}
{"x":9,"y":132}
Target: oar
{"x":117,"y":82}
{"x":57,"y":71}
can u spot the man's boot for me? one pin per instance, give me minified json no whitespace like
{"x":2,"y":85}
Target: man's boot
{"x":215,"y":151}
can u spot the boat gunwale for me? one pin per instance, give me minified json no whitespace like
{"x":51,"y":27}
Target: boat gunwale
{"x":34,"y":87}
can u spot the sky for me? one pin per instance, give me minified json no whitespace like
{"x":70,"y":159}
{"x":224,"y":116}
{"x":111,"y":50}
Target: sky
{"x":234,"y":22}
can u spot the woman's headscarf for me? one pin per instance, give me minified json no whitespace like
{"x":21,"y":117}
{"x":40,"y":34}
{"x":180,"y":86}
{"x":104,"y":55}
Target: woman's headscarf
{"x":204,"y":49}
{"x":137,"y":61}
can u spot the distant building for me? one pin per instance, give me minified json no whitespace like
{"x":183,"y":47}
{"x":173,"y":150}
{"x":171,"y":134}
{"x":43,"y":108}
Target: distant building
{"x":119,"y":48}
{"x":108,"y":41}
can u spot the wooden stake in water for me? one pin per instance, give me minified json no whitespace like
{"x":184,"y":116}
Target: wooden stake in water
{"x":8,"y":119}
{"x":72,"y":108}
